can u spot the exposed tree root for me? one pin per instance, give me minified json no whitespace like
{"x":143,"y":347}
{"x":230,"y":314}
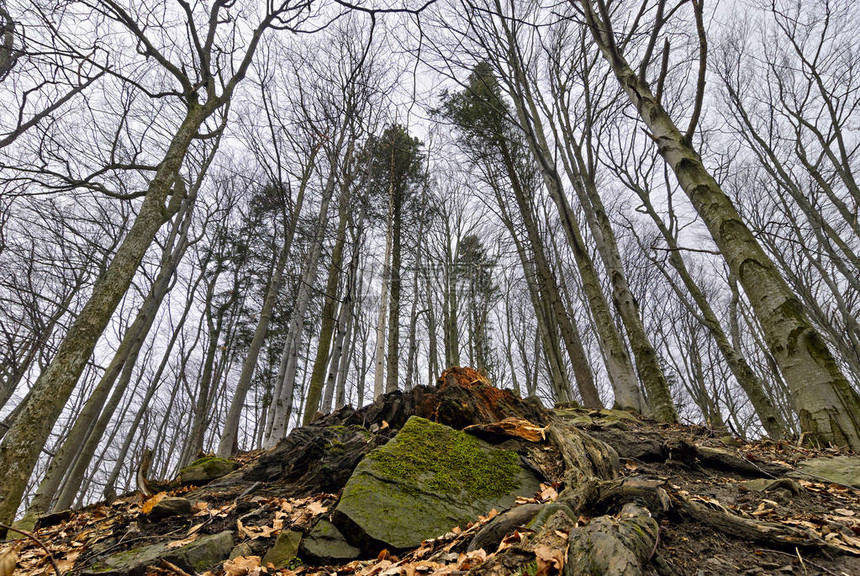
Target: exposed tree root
{"x":614,"y":546}
{"x":720,"y":518}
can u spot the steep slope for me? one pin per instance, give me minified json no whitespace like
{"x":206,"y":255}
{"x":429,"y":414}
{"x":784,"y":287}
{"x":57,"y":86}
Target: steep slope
{"x":397,"y":488}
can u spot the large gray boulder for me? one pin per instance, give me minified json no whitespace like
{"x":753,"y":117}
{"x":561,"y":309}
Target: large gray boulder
{"x":425,"y":481}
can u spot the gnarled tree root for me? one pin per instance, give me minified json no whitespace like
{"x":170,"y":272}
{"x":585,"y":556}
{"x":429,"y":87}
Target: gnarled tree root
{"x":613,"y":546}
{"x":777,"y":535}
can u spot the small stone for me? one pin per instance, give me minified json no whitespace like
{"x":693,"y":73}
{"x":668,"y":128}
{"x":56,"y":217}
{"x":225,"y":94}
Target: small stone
{"x":285,"y":549}
{"x":326,"y":545}
{"x":242,"y":549}
{"x":171,"y":506}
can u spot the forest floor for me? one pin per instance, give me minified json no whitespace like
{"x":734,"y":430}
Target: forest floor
{"x":769,"y":517}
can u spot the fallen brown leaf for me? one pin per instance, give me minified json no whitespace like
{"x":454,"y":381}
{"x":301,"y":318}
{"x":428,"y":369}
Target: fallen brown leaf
{"x":254,"y":532}
{"x":471,"y":559}
{"x":242,"y":565}
{"x":151,"y":502}
{"x":180,"y":543}
{"x":8,"y":560}
{"x":550,"y":561}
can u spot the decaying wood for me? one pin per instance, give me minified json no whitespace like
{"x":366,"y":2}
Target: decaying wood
{"x":143,"y":483}
{"x":508,"y":428}
{"x":649,"y":493}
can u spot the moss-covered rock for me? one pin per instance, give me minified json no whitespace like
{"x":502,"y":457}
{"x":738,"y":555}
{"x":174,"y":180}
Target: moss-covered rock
{"x":425,"y":481}
{"x":205,"y":470}
{"x":285,"y":548}
{"x":843,"y":470}
{"x":198,"y":556}
{"x":326,"y":545}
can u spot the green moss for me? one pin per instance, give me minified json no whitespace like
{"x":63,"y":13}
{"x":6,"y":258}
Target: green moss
{"x":209,"y":463}
{"x":529,"y":569}
{"x":447,"y":461}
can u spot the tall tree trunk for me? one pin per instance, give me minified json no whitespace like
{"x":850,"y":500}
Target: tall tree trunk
{"x":282,"y":405}
{"x":549,"y":286}
{"x":546,"y":325}
{"x":770,"y":417}
{"x":110,"y":484}
{"x":450,"y":307}
{"x":828,"y":407}
{"x":393,"y":355}
{"x":659,"y":398}
{"x":336,"y":379}
{"x":379,"y":362}
{"x":315,"y":388}
{"x":344,"y":350}
{"x":21,"y":445}
{"x":228,"y":445}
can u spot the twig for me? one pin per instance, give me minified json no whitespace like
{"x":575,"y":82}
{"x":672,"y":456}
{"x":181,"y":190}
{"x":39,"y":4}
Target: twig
{"x":808,"y":561}
{"x":33,"y":537}
{"x":174,"y":567}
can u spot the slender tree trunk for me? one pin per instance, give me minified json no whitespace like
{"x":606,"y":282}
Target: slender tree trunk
{"x":659,"y":398}
{"x":110,"y":489}
{"x":432,"y":319}
{"x":315,"y":388}
{"x":393,"y":357}
{"x":282,"y":404}
{"x":379,"y":363}
{"x":548,"y":284}
{"x":343,"y":351}
{"x":20,"y":448}
{"x":452,"y":334}
{"x":230,"y":435}
{"x":770,"y":417}
{"x":336,"y":379}
{"x":828,"y":407}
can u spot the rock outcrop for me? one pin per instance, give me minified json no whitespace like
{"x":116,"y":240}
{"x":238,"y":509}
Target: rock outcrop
{"x":428,"y":479}
{"x":465,"y":478}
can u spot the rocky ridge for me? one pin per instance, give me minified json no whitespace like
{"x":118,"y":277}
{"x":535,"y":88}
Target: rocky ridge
{"x":464,"y":478}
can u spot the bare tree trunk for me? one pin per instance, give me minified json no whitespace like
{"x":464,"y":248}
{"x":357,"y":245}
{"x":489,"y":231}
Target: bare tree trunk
{"x":659,"y":398}
{"x":20,"y":448}
{"x":549,"y":287}
{"x":828,"y":407}
{"x":230,"y":435}
{"x":315,"y":388}
{"x":110,"y":489}
{"x":282,"y":404}
{"x":770,"y":417}
{"x":379,"y":363}
{"x":393,"y":353}
{"x":343,"y":352}
{"x":449,"y":305}
{"x":336,"y":379}
{"x":412,"y":346}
